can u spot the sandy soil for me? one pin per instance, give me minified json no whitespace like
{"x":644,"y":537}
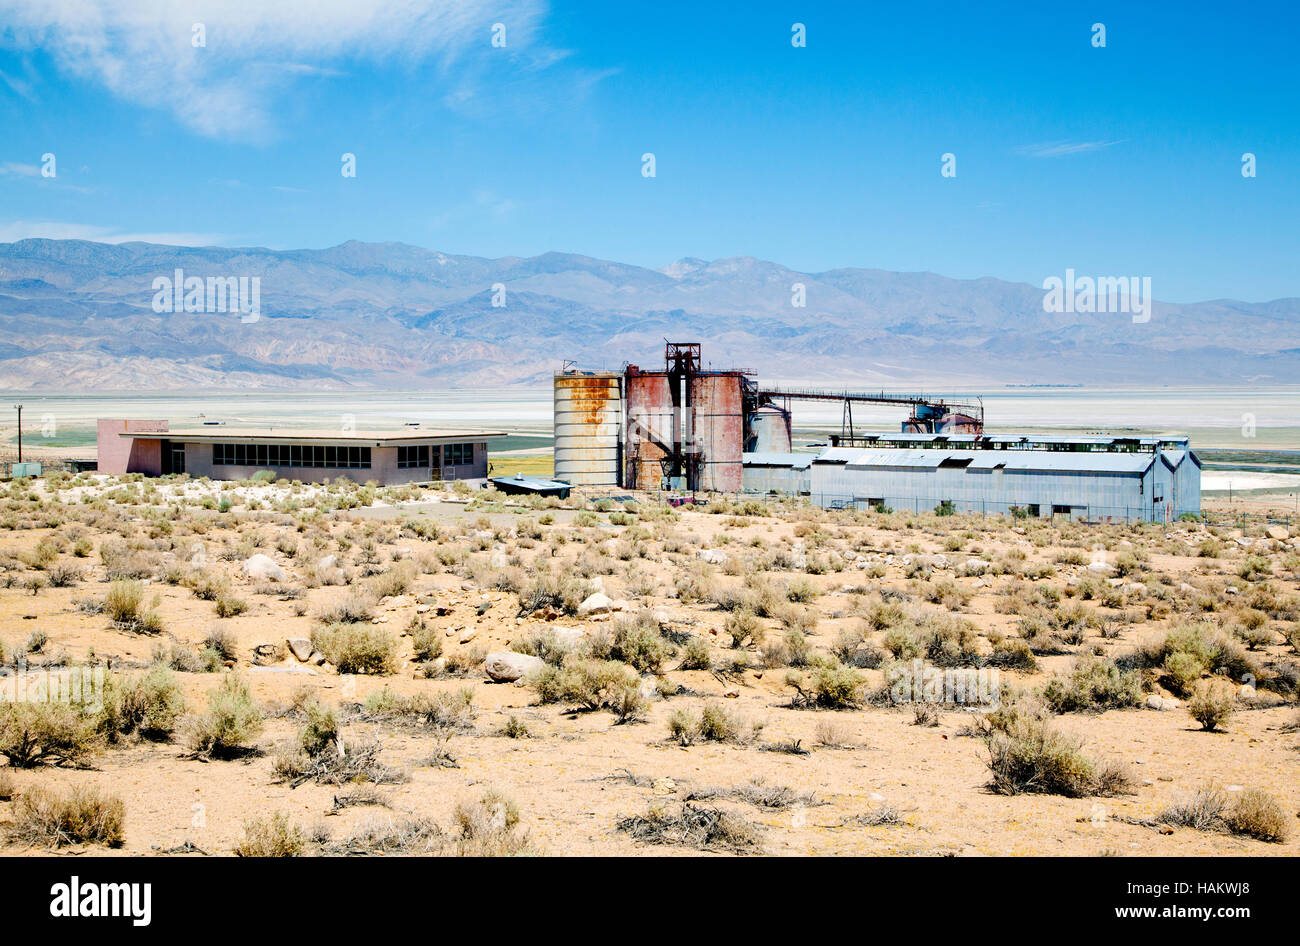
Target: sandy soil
{"x":578,"y":773}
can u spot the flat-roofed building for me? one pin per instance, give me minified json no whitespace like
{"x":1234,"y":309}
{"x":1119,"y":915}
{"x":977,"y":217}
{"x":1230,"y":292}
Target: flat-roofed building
{"x":408,"y":455}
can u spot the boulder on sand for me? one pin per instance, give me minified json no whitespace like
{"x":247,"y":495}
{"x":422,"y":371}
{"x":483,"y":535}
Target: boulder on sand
{"x":506,"y":666}
{"x":263,"y":567}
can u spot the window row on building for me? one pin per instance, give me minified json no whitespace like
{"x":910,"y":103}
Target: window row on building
{"x":416,"y":457}
{"x":285,"y":454}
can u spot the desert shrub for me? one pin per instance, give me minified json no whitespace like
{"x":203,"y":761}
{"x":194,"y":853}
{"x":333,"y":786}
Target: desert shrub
{"x":1211,"y":703}
{"x":1028,"y":755}
{"x":1093,"y":685}
{"x":54,"y":731}
{"x":320,"y":732}
{"x":1203,"y":811}
{"x":1013,"y":653}
{"x":122,"y":602}
{"x":544,"y":643}
{"x":589,"y":684}
{"x":489,"y":827}
{"x":354,"y":609}
{"x":713,"y":723}
{"x":148,"y":703}
{"x":696,"y":654}
{"x":396,"y":581}
{"x":556,"y":592}
{"x":232,"y":720}
{"x":744,"y":627}
{"x":829,"y":687}
{"x":84,"y":815}
{"x":707,"y":829}
{"x":221,"y":642}
{"x":273,"y":837}
{"x":638,"y":643}
{"x":356,"y":648}
{"x":1258,"y":815}
{"x":426,"y":642}
{"x":229,"y":604}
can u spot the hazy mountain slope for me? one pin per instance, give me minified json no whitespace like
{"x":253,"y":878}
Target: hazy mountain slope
{"x":76,"y":315}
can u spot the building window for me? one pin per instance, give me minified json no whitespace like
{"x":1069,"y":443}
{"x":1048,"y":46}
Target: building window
{"x":411,"y":458}
{"x":274,"y":455}
{"x":458,"y":454}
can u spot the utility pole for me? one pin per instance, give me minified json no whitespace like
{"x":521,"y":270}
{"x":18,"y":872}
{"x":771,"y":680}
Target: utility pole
{"x":20,"y":432}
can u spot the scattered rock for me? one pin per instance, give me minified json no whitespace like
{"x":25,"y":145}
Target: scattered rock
{"x":664,"y":786}
{"x":507,"y":666}
{"x":599,"y":603}
{"x":261,"y":566}
{"x":329,"y":561}
{"x":712,"y":556}
{"x":301,"y":647}
{"x":1278,"y":532}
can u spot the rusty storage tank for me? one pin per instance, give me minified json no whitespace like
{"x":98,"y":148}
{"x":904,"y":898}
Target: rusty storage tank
{"x":716,"y":430}
{"x":770,"y":430}
{"x":959,"y":424}
{"x":588,"y":419}
{"x":652,"y":427}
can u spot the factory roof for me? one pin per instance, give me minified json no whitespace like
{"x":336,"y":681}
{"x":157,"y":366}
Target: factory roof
{"x":797,"y":461}
{"x":1020,"y":460}
{"x":1057,"y":442}
{"x":531,"y":484}
{"x":217,"y":433}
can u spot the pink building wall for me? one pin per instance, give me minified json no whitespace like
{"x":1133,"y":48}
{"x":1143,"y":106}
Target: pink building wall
{"x":119,"y":454}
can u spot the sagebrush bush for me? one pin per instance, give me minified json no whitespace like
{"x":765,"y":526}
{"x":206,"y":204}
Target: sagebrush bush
{"x":149,"y":703}
{"x":1029,"y":755}
{"x":84,"y":815}
{"x":1093,"y":685}
{"x":50,"y":732}
{"x":233,"y":719}
{"x":828,"y":687}
{"x":1211,"y":703}
{"x":274,"y":837}
{"x":1258,"y":815}
{"x":356,"y":648}
{"x":590,"y":684}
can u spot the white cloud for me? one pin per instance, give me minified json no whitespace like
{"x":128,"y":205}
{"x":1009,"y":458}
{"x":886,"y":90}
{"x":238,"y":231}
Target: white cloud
{"x":55,"y":230}
{"x":22,"y":170}
{"x":1059,"y":149}
{"x":142,"y":50}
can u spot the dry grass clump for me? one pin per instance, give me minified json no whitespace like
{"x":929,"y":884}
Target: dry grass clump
{"x":759,"y":794}
{"x":1188,"y":653}
{"x":832,"y":686}
{"x":1093,"y":685}
{"x":703,"y":828}
{"x":357,"y":648}
{"x":52,"y":732}
{"x":1255,"y":814}
{"x":1258,"y":815}
{"x":489,"y":827}
{"x":124,"y":604}
{"x":714,"y":723}
{"x":273,"y":837}
{"x":85,"y":815}
{"x":353,"y":609}
{"x":1028,"y":755}
{"x":636,"y":642}
{"x":232,"y":721}
{"x":1211,"y":703}
{"x":559,"y":593}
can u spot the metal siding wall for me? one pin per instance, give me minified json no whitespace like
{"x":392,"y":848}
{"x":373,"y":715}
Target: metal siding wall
{"x":587,"y":418}
{"x":649,"y":418}
{"x":717,"y":428}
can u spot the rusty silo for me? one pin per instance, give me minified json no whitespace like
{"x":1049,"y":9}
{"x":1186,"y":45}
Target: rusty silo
{"x":716,"y":431}
{"x":588,"y":419}
{"x":770,"y":430}
{"x":653,"y":428}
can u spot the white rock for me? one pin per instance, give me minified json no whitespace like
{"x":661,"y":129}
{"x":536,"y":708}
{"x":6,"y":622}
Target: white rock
{"x":498,"y":560}
{"x":506,"y":666}
{"x":976,"y":566}
{"x":329,"y":561}
{"x":1099,"y":567}
{"x":599,"y":603}
{"x":1278,"y":532}
{"x":261,"y":566}
{"x":712,"y":556}
{"x":301,"y":647}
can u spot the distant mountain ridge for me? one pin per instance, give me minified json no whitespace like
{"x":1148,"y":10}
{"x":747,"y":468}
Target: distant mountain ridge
{"x":77,"y":316}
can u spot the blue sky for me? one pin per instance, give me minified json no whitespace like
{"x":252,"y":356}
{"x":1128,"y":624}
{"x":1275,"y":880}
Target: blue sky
{"x":1123,"y":160}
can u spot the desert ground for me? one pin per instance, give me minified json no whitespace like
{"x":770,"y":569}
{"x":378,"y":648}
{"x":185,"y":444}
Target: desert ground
{"x":340,"y":669}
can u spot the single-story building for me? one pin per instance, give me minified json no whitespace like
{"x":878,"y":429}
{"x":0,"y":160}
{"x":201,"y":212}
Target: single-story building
{"x":1157,"y":485}
{"x":410,"y":455}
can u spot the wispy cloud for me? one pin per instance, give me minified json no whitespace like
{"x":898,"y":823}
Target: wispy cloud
{"x":20,"y":170}
{"x":56,"y":230}
{"x":1059,"y":149}
{"x":143,"y":51}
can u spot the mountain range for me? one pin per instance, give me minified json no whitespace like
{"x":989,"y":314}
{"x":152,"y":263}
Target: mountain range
{"x":79,"y":316}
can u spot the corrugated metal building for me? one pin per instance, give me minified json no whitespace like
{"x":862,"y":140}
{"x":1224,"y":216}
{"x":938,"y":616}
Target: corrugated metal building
{"x":1089,"y":482}
{"x":767,"y":472}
